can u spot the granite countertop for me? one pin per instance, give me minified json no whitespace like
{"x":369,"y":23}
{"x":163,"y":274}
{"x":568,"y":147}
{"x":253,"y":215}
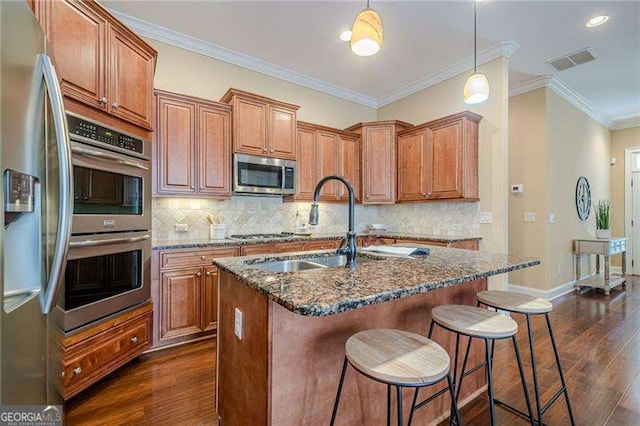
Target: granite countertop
{"x":327,"y":291}
{"x":169,"y":244}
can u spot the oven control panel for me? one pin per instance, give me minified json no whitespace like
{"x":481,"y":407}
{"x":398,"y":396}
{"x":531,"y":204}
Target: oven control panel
{"x":98,"y":133}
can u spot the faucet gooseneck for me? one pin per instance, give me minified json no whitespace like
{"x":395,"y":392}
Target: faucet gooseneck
{"x":350,"y":249}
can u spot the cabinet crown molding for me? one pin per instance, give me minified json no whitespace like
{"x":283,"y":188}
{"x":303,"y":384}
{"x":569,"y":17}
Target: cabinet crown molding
{"x":227,"y":97}
{"x":472,"y":116}
{"x":397,"y":123}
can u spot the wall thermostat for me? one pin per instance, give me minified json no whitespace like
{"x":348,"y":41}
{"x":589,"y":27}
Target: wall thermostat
{"x":517,"y":189}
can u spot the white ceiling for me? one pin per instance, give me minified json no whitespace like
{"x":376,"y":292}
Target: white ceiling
{"x":421,"y":38}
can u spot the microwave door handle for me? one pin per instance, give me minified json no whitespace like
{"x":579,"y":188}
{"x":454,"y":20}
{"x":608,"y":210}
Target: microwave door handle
{"x":94,"y":243}
{"x":284,"y":177}
{"x":107,"y":156}
{"x":45,"y":68}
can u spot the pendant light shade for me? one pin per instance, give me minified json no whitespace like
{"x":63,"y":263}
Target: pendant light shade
{"x":366,"y":34}
{"x":476,"y":89}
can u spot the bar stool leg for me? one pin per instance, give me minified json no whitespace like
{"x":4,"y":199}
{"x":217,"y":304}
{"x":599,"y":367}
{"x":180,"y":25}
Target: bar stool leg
{"x":413,"y":405}
{"x":492,"y":408}
{"x":536,"y":386}
{"x":564,"y":384}
{"x":454,"y":403}
{"x":464,"y":368}
{"x":522,"y":378}
{"x":335,"y":406}
{"x":399,"y":397}
{"x":389,"y":405}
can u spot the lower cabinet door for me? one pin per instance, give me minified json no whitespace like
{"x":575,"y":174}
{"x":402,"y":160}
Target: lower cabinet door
{"x":181,"y":303}
{"x":209,"y":298}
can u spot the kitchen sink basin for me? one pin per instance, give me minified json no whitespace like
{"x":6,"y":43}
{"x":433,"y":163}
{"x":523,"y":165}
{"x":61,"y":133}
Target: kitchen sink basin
{"x":298,"y":265}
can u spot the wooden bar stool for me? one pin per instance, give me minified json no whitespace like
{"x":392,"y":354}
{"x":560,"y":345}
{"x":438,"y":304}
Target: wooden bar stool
{"x":528,"y":305}
{"x":400,"y":359}
{"x":478,"y":323}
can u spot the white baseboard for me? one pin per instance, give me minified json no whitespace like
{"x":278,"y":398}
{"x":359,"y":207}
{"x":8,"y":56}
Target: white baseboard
{"x":550,"y":294}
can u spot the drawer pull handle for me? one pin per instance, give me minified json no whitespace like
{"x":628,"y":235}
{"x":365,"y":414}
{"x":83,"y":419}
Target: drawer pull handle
{"x":198,"y":274}
{"x":77,"y":371}
{"x":208,"y":273}
{"x":134,"y":339}
{"x":202,"y":257}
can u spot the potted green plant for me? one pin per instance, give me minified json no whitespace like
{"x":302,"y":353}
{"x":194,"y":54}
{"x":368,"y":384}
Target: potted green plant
{"x":603,"y":219}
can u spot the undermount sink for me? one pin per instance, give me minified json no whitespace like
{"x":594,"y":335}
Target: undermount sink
{"x":298,"y":265}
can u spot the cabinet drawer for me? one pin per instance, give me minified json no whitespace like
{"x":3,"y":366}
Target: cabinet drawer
{"x":425,"y":242}
{"x":258,"y":249}
{"x":323,"y":244}
{"x":91,"y":359}
{"x":289,"y":247}
{"x":182,"y":258}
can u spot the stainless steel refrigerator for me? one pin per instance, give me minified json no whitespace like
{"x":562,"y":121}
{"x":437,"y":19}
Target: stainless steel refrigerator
{"x":36,"y":195}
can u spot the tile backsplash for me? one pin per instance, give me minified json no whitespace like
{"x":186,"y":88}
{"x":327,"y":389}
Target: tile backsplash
{"x":247,"y":214}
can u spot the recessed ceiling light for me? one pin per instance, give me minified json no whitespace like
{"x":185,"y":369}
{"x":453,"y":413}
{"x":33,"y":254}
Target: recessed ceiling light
{"x":597,"y":20}
{"x":345,"y":35}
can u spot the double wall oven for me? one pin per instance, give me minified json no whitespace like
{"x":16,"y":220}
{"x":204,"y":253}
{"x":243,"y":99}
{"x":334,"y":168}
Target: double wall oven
{"x":108,"y":260}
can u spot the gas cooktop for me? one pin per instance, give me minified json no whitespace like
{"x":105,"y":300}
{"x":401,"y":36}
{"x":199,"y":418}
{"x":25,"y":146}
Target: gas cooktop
{"x":260,"y":236}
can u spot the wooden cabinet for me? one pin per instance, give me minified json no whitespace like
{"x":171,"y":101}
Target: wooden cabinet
{"x":102,"y":64}
{"x":322,"y":244}
{"x":374,"y":241}
{"x":378,"y":159}
{"x":325,"y":151}
{"x":262,"y":126}
{"x":289,"y":247}
{"x":267,"y":248}
{"x":89,"y":355}
{"x":185,"y":293}
{"x":438,"y":160}
{"x":191,"y":147}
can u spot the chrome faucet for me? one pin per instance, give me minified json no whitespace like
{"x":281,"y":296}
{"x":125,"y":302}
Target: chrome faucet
{"x":350,"y":247}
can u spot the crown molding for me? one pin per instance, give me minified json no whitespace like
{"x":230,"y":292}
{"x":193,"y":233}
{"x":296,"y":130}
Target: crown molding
{"x":505,"y":48}
{"x":626,"y":122}
{"x":165,"y":35}
{"x":566,"y":92}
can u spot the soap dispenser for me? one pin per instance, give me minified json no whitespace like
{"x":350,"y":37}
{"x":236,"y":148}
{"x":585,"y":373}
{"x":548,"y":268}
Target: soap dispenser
{"x":298,"y":225}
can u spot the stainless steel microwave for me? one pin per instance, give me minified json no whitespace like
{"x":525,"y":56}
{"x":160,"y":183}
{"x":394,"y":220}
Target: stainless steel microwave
{"x":264,"y":175}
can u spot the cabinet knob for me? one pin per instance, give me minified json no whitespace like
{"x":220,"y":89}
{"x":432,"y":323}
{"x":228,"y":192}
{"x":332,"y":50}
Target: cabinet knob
{"x":264,"y":149}
{"x":115,"y":105}
{"x":208,"y":273}
{"x":272,"y":150}
{"x":202,"y":257}
{"x":77,"y":371}
{"x":103,"y":100}
{"x":366,"y":196}
{"x":134,"y":339}
{"x":424,"y":193}
{"x":198,"y":274}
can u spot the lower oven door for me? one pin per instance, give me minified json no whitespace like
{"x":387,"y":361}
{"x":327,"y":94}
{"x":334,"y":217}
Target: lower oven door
{"x":111,"y":191}
{"x":104,"y":274}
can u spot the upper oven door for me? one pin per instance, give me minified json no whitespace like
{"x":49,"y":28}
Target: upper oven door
{"x":112,"y":192}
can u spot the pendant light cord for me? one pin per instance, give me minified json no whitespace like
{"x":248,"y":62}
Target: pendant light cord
{"x":475,"y":35}
{"x":367,"y":4}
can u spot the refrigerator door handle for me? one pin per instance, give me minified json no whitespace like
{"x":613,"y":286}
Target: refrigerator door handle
{"x":48,"y":298}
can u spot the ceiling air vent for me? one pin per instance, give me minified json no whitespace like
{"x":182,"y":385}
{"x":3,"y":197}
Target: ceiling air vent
{"x":572,"y":59}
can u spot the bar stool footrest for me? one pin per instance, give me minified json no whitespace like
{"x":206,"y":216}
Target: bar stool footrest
{"x":516,"y":411}
{"x":553,"y":399}
{"x":431,"y":398}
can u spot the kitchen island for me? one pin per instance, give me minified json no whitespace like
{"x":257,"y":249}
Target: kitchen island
{"x":285,"y":366}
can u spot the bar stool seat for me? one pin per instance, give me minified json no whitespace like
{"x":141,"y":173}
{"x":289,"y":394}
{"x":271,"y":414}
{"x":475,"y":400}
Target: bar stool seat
{"x":474,"y":322}
{"x":398,"y":357}
{"x":514,"y":302}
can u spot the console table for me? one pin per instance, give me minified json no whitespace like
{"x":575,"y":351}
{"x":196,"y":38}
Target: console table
{"x":601,"y":247}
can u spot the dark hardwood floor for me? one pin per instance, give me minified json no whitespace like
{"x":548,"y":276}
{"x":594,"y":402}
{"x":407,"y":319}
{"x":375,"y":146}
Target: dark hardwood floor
{"x":598,"y":337}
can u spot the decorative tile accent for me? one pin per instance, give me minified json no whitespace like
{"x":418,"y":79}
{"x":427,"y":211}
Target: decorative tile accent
{"x":246,"y":214}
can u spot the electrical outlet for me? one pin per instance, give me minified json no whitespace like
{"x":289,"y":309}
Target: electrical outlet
{"x":486,"y":217}
{"x":529,"y":217}
{"x":238,"y":323}
{"x":552,"y":218}
{"x":181,"y":227}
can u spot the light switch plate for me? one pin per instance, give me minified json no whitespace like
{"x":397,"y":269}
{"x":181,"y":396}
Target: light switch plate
{"x":238,"y":324}
{"x":486,"y":217}
{"x":529,"y":217}
{"x":181,"y":227}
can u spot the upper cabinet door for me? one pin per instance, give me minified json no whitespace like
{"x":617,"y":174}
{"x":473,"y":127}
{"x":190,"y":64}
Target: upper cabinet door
{"x":131,"y":80}
{"x":175,"y":146}
{"x":214,"y":151}
{"x":250,"y":127}
{"x":444,"y":153}
{"x":77,"y":39}
{"x":350,"y":166}
{"x":306,"y":164}
{"x":282,"y":133}
{"x":411,"y":166}
{"x":379,"y":162}
{"x":327,"y":163}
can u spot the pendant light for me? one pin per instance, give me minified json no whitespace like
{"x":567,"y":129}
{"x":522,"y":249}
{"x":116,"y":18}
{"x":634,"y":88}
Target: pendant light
{"x":366,"y":34}
{"x":476,"y":88}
